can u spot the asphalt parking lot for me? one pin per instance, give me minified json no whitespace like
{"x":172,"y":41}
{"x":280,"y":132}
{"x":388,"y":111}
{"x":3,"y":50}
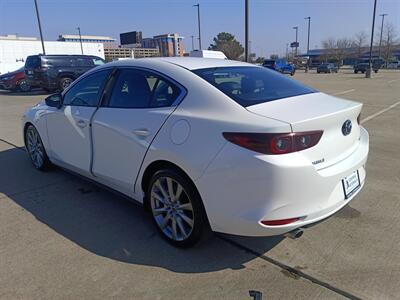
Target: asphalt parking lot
{"x":62,"y":237}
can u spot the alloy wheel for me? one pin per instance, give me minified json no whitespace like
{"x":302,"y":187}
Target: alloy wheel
{"x":66,"y":83}
{"x":172,"y":209}
{"x":35,"y":147}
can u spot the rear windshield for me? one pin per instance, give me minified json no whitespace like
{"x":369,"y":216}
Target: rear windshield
{"x":253,"y":85}
{"x":33,"y":62}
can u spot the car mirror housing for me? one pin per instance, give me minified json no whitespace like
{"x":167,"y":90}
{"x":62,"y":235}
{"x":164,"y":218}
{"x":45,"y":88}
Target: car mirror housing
{"x":54,"y":100}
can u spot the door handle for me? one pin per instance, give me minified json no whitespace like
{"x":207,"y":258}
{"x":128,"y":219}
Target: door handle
{"x":81,"y":123}
{"x":141,"y":132}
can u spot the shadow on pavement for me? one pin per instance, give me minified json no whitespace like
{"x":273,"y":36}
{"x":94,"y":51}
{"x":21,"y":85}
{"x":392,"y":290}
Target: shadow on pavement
{"x":34,"y":92}
{"x":108,"y":225}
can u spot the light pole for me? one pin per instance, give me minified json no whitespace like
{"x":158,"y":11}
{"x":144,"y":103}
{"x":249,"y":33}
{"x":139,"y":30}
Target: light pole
{"x":40,"y":27}
{"x":287,"y":51}
{"x":308,"y":44}
{"x":80,"y":38}
{"x":369,"y":70}
{"x":380,"y":41}
{"x":296,"y":28}
{"x":198,"y":21}
{"x":246,"y":30}
{"x":192,"y":37}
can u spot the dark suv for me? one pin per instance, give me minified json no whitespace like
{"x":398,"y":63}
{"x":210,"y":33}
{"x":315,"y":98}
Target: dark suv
{"x":57,"y":72}
{"x":363,"y":66}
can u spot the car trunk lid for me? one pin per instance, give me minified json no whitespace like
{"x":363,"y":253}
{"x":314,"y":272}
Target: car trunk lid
{"x":318,"y":111}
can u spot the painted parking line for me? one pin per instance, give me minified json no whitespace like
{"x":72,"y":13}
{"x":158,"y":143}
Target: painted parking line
{"x":344,"y":92}
{"x":379,"y":112}
{"x":394,"y":80}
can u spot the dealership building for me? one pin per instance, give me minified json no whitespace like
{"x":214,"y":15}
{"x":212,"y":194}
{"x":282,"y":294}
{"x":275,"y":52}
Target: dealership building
{"x":14,"y":50}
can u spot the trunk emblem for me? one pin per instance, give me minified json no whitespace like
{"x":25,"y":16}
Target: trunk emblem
{"x":346,"y":127}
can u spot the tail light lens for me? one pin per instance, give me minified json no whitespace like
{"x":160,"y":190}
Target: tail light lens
{"x":274,"y":143}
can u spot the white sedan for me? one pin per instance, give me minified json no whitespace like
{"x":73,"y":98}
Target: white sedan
{"x":206,"y":144}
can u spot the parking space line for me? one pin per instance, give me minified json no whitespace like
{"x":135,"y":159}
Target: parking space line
{"x":394,"y":80}
{"x":379,"y":112}
{"x":287,"y":268}
{"x":13,"y":145}
{"x":344,"y":92}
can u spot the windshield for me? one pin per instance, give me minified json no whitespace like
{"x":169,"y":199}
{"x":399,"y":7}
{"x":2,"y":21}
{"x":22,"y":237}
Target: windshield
{"x":252,"y":85}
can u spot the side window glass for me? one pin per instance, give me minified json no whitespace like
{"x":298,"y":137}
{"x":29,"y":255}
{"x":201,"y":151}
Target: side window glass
{"x":142,"y":89}
{"x":164,"y":94}
{"x":87,"y":91}
{"x":131,"y":90}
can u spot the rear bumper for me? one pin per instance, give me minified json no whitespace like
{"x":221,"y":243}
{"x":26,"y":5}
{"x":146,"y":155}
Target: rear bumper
{"x":240,"y":189}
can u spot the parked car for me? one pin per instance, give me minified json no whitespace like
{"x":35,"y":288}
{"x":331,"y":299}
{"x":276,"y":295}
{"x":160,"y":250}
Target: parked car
{"x":393,"y":65}
{"x":280,"y":66}
{"x":362,"y":67}
{"x":206,"y":144}
{"x":327,"y":68}
{"x":15,"y":81}
{"x":57,"y":72}
{"x":208,"y":54}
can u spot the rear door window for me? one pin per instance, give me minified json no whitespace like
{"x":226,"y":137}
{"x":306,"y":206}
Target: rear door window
{"x":83,"y":62}
{"x":135,"y":88}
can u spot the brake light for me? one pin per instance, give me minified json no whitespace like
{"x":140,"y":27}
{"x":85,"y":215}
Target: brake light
{"x":279,"y":222}
{"x":274,"y":143}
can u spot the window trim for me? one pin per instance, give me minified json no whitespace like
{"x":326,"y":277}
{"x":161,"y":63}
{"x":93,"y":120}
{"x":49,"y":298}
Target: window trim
{"x":84,"y":76}
{"x":183,"y":91}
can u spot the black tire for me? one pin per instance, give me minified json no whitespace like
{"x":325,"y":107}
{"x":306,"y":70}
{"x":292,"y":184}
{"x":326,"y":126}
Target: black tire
{"x":356,"y":72}
{"x":65,"y":82}
{"x":376,"y":71}
{"x":44,"y":164}
{"x":363,"y":72}
{"x":318,"y":72}
{"x":200,"y":227}
{"x":24,"y":86}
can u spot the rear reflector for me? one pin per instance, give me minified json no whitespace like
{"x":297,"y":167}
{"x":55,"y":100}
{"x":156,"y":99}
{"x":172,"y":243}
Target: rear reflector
{"x":275,"y":143}
{"x":280,"y":222}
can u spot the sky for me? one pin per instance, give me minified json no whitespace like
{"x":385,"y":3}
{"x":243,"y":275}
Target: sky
{"x":271,"y":22}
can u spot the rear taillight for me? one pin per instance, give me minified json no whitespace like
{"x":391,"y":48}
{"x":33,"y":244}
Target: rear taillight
{"x":279,"y":222}
{"x":275,"y":143}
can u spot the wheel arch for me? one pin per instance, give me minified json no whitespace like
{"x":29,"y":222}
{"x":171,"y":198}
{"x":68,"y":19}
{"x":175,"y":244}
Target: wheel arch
{"x":156,"y":166}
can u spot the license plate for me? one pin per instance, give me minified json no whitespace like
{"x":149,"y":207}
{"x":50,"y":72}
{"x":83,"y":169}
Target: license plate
{"x":351,"y":183}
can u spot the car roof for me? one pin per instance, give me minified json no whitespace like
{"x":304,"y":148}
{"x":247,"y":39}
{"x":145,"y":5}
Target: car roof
{"x":190,"y":63}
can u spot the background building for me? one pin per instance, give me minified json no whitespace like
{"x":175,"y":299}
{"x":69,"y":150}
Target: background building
{"x":131,"y":39}
{"x":105,"y":40}
{"x":14,"y":50}
{"x":148,"y":43}
{"x":169,"y":44}
{"x":115,"y":53}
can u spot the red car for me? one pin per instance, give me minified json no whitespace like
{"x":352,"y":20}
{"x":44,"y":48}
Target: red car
{"x":14,"y":81}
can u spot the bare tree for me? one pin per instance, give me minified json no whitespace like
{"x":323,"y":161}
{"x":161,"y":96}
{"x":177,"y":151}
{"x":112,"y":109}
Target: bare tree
{"x":336,"y":50}
{"x":360,"y":42}
{"x":329,"y":46}
{"x":389,"y":41}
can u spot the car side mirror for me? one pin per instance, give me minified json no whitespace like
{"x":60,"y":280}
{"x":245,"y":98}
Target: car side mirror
{"x":54,"y":100}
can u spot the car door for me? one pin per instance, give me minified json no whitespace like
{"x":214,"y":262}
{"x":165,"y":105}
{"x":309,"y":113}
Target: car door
{"x":69,"y":127}
{"x":124,"y":127}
